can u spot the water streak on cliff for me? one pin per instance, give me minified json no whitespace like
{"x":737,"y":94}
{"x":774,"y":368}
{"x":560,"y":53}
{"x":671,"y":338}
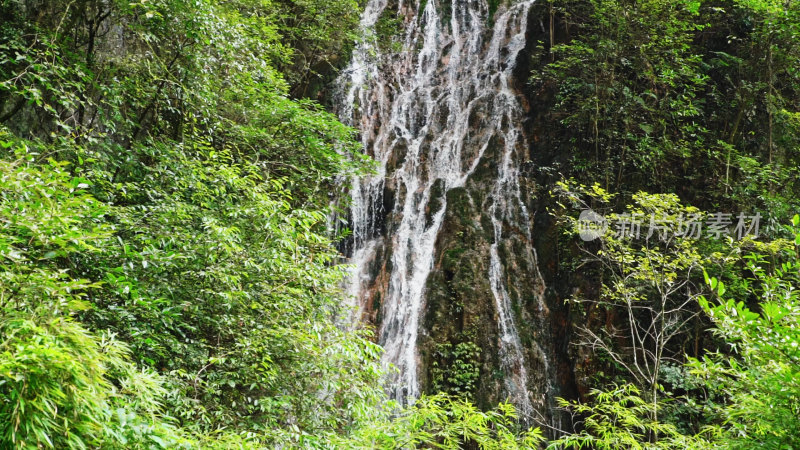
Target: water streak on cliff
{"x":430,"y":113}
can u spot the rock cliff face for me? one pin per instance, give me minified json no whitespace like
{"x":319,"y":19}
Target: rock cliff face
{"x":447,"y":234}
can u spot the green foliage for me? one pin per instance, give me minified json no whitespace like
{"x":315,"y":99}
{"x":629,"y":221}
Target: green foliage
{"x":388,"y":32}
{"x":447,"y":423}
{"x":747,"y":390}
{"x":692,"y":97}
{"x":189,"y":222}
{"x":229,"y":288}
{"x":61,"y":385}
{"x":455,"y":368}
{"x":759,"y":377}
{"x":619,"y":418}
{"x":628,"y":88}
{"x":159,"y":187}
{"x":649,"y":275}
{"x":320,"y":32}
{"x":493,"y":5}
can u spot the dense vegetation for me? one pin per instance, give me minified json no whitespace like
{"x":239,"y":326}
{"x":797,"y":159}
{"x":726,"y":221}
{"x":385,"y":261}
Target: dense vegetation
{"x":168,"y":280}
{"x":167,"y":275}
{"x":690,"y":340}
{"x":697,"y":98}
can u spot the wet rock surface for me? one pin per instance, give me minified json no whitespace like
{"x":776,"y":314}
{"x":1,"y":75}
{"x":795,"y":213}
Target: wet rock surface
{"x":451,"y":246}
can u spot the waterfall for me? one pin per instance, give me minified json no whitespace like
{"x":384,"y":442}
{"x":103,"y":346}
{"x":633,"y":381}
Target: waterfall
{"x":427,"y":114}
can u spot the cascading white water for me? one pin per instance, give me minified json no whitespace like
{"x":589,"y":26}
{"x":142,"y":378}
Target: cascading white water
{"x":427,"y":115}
